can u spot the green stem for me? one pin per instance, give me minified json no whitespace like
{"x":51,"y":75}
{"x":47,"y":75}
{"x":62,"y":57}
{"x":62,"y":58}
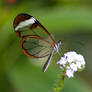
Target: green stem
{"x":60,"y":83}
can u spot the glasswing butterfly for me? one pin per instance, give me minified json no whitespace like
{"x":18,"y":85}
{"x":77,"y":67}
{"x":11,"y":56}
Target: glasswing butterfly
{"x":36,"y":40}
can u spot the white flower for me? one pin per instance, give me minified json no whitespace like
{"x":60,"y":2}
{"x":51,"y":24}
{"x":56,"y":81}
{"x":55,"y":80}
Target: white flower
{"x":73,"y":67}
{"x":62,"y":61}
{"x":71,"y":62}
{"x":78,"y":64}
{"x":68,"y":68}
{"x":81,"y":59}
{"x":70,"y":73}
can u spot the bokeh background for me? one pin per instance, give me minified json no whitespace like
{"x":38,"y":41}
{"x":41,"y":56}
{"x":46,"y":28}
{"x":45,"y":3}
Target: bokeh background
{"x":67,"y":20}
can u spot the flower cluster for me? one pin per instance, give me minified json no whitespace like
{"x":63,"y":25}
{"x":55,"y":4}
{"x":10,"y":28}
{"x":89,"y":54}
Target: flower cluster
{"x":71,"y":62}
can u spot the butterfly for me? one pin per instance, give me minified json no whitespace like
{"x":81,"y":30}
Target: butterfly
{"x":36,"y":41}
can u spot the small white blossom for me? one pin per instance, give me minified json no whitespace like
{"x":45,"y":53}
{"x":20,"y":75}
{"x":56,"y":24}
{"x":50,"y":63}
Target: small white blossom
{"x":62,"y":61}
{"x":70,"y":73}
{"x":68,"y":68}
{"x":81,"y":59}
{"x":71,"y":62}
{"x":78,"y":64}
{"x":73,"y":67}
{"x":70,"y":56}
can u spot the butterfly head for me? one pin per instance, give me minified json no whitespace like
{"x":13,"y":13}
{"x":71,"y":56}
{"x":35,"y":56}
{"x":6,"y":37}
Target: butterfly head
{"x":57,"y":45}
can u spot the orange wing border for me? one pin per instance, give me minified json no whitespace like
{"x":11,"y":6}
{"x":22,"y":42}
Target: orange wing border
{"x":36,"y":37}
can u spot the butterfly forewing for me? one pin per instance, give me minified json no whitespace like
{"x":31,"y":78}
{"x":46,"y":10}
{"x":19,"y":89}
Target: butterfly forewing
{"x":27,"y":25}
{"x":36,"y":47}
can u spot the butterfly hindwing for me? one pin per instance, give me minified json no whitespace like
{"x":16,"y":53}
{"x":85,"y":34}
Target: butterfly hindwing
{"x":35,"y":47}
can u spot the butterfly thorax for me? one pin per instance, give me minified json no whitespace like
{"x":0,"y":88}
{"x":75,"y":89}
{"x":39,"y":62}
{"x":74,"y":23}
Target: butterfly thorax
{"x":57,"y":45}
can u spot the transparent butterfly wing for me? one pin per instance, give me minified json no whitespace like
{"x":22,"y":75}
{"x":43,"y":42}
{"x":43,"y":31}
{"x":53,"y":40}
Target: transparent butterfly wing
{"x":26,"y":25}
{"x":36,"y":47}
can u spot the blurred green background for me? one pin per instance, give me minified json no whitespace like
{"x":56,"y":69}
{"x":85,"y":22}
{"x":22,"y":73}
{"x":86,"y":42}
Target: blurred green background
{"x":67,"y":20}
